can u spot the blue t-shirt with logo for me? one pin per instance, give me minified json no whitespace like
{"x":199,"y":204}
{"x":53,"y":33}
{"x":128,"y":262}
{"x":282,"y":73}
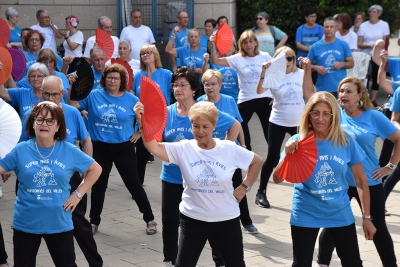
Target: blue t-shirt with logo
{"x":308,"y":36}
{"x":230,"y":81}
{"x":162,"y":77}
{"x":23,"y":98}
{"x":180,"y":128}
{"x":322,"y":200}
{"x":97,"y":78}
{"x":30,"y":59}
{"x":395,"y":101}
{"x":15,"y":35}
{"x":189,"y":58}
{"x":44,"y":185}
{"x":180,"y":41}
{"x":110,"y":117}
{"x":325,"y":55}
{"x":365,"y":129}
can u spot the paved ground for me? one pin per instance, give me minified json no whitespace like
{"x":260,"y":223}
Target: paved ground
{"x":122,"y":240}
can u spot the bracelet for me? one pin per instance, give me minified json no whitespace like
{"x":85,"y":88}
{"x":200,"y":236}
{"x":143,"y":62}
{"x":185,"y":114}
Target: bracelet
{"x":261,"y":78}
{"x":66,"y":38}
{"x":173,"y":36}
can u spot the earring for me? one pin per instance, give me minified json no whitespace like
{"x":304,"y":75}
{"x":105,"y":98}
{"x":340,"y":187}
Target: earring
{"x":194,"y":94}
{"x":360,"y":103}
{"x":309,"y":125}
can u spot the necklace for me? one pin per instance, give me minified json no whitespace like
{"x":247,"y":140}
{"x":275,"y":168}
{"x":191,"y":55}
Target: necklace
{"x":37,"y":149}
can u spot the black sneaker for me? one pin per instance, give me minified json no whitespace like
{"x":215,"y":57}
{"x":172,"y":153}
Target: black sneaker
{"x":151,"y":158}
{"x":261,"y":200}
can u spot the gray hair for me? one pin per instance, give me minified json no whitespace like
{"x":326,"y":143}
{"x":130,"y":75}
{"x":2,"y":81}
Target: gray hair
{"x":102,"y":19}
{"x":127,"y":43}
{"x":38,"y":66}
{"x":263,"y":14}
{"x":330,"y":19}
{"x":11,"y":12}
{"x":55,"y":78}
{"x":40,"y":11}
{"x":378,"y":8}
{"x":96,"y":49}
{"x":136,"y":10}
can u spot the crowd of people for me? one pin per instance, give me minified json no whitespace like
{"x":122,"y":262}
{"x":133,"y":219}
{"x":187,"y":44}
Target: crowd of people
{"x":68,"y":147}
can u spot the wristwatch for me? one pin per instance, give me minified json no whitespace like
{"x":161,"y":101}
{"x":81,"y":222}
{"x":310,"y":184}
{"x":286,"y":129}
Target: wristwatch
{"x":367,"y":217}
{"x":79,"y":195}
{"x":391,"y":166}
{"x":248,"y":188}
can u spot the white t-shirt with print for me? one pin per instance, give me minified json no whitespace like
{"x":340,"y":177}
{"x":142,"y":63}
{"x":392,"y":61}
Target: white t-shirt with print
{"x":207,"y":178}
{"x":76,"y":38}
{"x":137,"y":37}
{"x":248,"y":70}
{"x":372,"y":32}
{"x":288,"y":100}
{"x":351,"y":38}
{"x":49,"y":37}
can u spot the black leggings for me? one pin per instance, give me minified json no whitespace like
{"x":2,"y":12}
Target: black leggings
{"x":374,"y":76}
{"x":142,"y":156}
{"x":276,"y":135}
{"x":262,"y":107}
{"x":382,"y":239}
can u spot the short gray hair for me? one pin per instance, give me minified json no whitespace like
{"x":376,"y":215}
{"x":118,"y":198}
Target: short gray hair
{"x":102,"y":19}
{"x":126,"y":42}
{"x":11,"y":12}
{"x":330,"y":19}
{"x":40,"y":11}
{"x":263,"y":14}
{"x":378,"y":8}
{"x":55,"y":78}
{"x":38,"y":66}
{"x":96,"y":49}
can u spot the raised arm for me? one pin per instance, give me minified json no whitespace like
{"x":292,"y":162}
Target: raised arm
{"x":261,"y":89}
{"x":214,"y":57}
{"x":206,"y":58}
{"x":170,"y":49}
{"x":376,"y":51}
{"x":382,"y":81}
{"x":308,"y":85}
{"x":157,"y":149}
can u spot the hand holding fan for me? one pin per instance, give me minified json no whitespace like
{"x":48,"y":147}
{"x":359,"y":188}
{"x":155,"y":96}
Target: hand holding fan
{"x":276,"y":72}
{"x":154,"y":118}
{"x":10,"y":128}
{"x":19,"y":63}
{"x":5,"y":70}
{"x":128,"y":71}
{"x":104,"y":40}
{"x":387,"y":41}
{"x":83,"y":85}
{"x":4,"y":33}
{"x":223,"y":38}
{"x":297,"y":167}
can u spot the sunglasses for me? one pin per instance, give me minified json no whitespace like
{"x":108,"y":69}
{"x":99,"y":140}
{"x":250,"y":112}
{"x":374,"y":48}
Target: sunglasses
{"x":259,"y":18}
{"x":289,"y":59}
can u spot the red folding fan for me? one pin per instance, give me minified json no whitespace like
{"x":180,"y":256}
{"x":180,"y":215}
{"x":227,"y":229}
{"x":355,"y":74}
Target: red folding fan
{"x":104,"y":40}
{"x":4,"y":33}
{"x":19,"y":63}
{"x":154,"y":118}
{"x":297,"y":167}
{"x":224,"y":38}
{"x":6,"y":60}
{"x":128,"y":71}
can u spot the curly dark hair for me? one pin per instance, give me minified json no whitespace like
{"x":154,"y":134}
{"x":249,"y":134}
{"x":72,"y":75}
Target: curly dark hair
{"x":193,"y":78}
{"x":367,"y":104}
{"x":29,"y":35}
{"x":114,"y":68}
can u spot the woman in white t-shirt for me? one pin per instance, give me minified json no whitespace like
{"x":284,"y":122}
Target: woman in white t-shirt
{"x":209,"y":205}
{"x":288,"y":106}
{"x":248,"y":63}
{"x":344,"y":33}
{"x":73,"y":38}
{"x":369,"y":32}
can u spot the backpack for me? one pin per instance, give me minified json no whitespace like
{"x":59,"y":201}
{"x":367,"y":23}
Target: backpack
{"x":272,"y":31}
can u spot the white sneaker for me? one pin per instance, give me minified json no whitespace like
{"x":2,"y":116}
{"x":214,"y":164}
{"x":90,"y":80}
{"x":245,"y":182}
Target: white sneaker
{"x":321,"y":265}
{"x":1,"y":192}
{"x":168,"y":264}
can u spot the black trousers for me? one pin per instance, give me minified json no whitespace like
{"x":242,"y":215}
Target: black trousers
{"x":124,"y":157}
{"x":82,"y":228}
{"x":382,"y":239}
{"x":262,"y":108}
{"x":276,"y":135}
{"x":60,"y":246}
{"x":387,"y":146}
{"x":344,"y":238}
{"x":3,"y":253}
{"x":194,"y":235}
{"x":237,"y":180}
{"x":142,"y":156}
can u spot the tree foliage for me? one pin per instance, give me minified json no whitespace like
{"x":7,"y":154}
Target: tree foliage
{"x":288,"y":15}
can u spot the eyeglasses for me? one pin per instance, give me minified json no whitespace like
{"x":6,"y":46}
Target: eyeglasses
{"x":49,"y":122}
{"x":176,"y":86}
{"x":113,"y":78}
{"x":147,"y":53}
{"x":208,"y":85}
{"x":48,"y":95}
{"x":259,"y":18}
{"x":47,"y":17}
{"x":47,"y":62}
{"x":36,"y":76}
{"x":34,"y":40}
{"x":316,"y":114}
{"x":289,"y":59}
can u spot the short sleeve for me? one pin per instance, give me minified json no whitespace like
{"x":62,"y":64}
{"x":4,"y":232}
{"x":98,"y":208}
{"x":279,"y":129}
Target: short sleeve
{"x":311,"y":54}
{"x":361,"y":30}
{"x":81,"y":160}
{"x":174,"y":150}
{"x":357,"y":154}
{"x":224,"y":122}
{"x":243,"y":157}
{"x":179,"y":52}
{"x":395,"y":107}
{"x":298,"y":34}
{"x":278,"y":33}
{"x":386,"y":30}
{"x":10,"y":161}
{"x":384,"y":126}
{"x":347,"y":51}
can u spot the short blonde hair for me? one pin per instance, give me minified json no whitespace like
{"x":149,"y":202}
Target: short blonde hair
{"x":209,"y":74}
{"x":336,"y":134}
{"x":247,"y":35}
{"x":204,"y":109}
{"x":157,"y":58}
{"x":367,"y":104}
{"x":289,"y":53}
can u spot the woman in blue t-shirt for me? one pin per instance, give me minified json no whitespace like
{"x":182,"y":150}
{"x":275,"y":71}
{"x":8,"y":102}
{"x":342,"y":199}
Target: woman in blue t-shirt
{"x":366,"y":124}
{"x":321,"y":201}
{"x":151,"y":67}
{"x":111,"y":126}
{"x":44,"y":166}
{"x":12,"y":16}
{"x":34,"y":41}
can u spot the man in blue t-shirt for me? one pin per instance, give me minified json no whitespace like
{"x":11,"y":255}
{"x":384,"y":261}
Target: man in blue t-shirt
{"x":180,"y":37}
{"x":331,"y":57}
